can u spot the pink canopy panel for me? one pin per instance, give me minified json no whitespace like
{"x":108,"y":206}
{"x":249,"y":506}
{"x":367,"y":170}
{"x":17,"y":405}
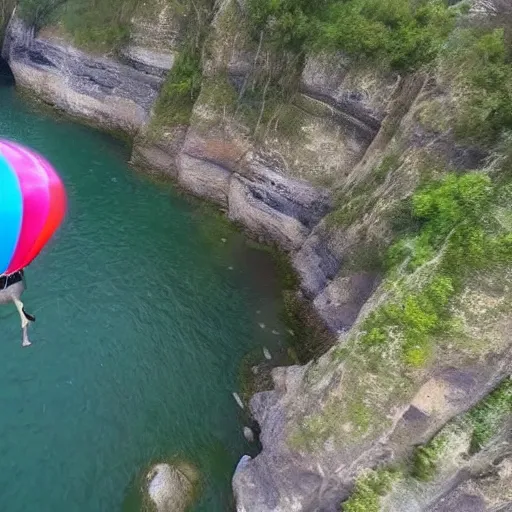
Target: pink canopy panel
{"x":32,"y":205}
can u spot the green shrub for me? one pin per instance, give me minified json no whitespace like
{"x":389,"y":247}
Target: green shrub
{"x":426,"y":458}
{"x":286,"y":23}
{"x":479,"y":66}
{"x":416,"y":316}
{"x":368,"y":491}
{"x":403,"y":34}
{"x":489,"y":415}
{"x":447,"y":203}
{"x":180,"y":90}
{"x":452,"y":208}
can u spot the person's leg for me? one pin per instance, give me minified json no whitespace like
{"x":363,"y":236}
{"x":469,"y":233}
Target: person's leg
{"x":24,"y":323}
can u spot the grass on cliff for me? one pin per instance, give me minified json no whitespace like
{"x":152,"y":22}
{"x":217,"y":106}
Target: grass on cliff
{"x":482,"y":423}
{"x":426,"y":458}
{"x":97,"y":25}
{"x":39,"y":13}
{"x":183,"y":83}
{"x":179,"y":91}
{"x":455,"y":227}
{"x":454,"y":233}
{"x":458,"y":234}
{"x":488,"y":417}
{"x":369,"y":489}
{"x":351,"y":206}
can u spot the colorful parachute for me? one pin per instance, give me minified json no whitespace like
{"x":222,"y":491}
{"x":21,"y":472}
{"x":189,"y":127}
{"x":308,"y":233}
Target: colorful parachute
{"x":32,"y":205}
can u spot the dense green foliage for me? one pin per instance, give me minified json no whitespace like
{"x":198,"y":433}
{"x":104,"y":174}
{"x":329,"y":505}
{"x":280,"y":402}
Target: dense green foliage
{"x":479,"y":65}
{"x":403,"y":34}
{"x":413,"y":318}
{"x":457,"y":233}
{"x":452,"y":207}
{"x":368,"y":490}
{"x":426,"y":458}
{"x":180,"y":90}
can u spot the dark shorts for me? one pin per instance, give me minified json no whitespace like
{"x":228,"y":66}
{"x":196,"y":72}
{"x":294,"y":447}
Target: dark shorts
{"x":6,"y":281}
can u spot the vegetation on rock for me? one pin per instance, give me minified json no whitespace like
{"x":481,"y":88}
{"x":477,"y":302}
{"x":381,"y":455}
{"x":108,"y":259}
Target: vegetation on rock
{"x":179,"y":91}
{"x":39,"y":13}
{"x":477,"y":65}
{"x":458,"y":234}
{"x":426,"y":458}
{"x":481,"y":424}
{"x":93,"y":24}
{"x":403,"y":34}
{"x":449,"y":450}
{"x":488,"y":417}
{"x":368,"y":490}
{"x":183,"y":83}
{"x":454,"y":229}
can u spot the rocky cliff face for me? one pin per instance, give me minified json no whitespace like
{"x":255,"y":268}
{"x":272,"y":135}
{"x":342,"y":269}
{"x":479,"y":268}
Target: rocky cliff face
{"x":276,"y":186}
{"x":275,"y":176}
{"x":324,"y":177}
{"x":98,"y":89}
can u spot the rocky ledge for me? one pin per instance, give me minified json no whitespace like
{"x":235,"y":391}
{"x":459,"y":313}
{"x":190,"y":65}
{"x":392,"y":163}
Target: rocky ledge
{"x":97,"y":89}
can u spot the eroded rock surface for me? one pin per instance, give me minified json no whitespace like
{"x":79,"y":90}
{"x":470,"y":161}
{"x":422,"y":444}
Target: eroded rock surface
{"x":98,"y":89}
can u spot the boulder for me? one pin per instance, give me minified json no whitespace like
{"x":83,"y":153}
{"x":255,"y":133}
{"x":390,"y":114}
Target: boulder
{"x":171,"y":486}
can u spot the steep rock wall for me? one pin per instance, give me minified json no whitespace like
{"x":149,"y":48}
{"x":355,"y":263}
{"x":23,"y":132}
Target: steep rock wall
{"x":280,"y":177}
{"x":326,"y":423}
{"x":277,"y":184}
{"x":98,"y":89}
{"x":275,"y":177}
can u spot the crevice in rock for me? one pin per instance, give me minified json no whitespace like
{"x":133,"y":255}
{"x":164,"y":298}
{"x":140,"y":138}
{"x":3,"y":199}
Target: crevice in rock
{"x":404,"y":96}
{"x":339,"y":115}
{"x":348,"y":106}
{"x":6,"y":75}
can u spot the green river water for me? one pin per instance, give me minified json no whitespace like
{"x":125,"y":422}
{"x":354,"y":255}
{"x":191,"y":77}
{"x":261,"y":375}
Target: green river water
{"x":143,"y":317}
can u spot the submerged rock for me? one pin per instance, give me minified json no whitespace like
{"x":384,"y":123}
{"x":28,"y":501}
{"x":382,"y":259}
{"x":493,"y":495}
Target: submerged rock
{"x":249,"y":434}
{"x":171,"y":487}
{"x":238,"y":400}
